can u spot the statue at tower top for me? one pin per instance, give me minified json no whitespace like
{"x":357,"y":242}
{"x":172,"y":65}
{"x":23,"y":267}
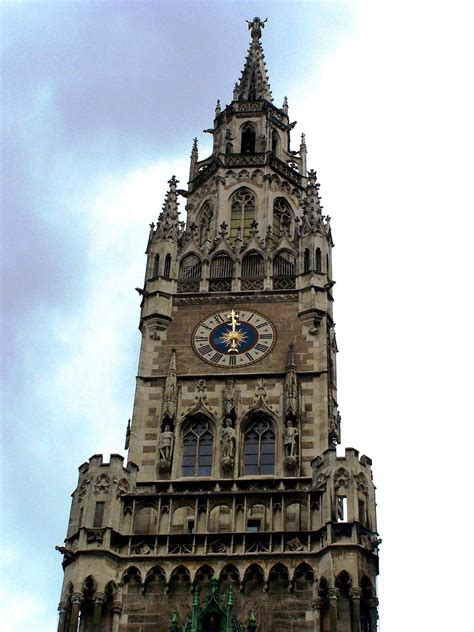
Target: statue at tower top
{"x":255,"y":27}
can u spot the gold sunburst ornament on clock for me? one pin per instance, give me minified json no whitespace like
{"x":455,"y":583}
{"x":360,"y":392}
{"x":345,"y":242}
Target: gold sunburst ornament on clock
{"x":233,"y":338}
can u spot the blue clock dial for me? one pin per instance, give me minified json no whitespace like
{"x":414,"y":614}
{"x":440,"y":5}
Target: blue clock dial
{"x":233,"y":338}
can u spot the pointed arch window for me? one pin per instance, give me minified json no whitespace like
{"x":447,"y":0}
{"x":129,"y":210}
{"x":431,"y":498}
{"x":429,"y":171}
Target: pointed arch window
{"x":275,"y":141}
{"x":284,"y":264}
{"x":319,"y":265}
{"x":284,"y":271}
{"x":248,"y":139}
{"x":253,"y":266}
{"x":307,"y":260}
{"x":259,"y":448}
{"x":197,"y":450}
{"x":242,"y":213}
{"x":282,"y":217}
{"x":156,"y":266}
{"x":167,"y":267}
{"x":190,"y":267}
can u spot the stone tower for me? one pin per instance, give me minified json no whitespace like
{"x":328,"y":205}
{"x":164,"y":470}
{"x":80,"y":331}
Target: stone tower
{"x":234,"y":511}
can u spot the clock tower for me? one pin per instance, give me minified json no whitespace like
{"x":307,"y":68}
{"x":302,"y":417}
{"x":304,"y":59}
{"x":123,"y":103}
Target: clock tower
{"x":234,"y":511}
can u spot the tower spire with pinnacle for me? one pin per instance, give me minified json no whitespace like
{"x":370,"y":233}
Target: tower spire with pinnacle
{"x":254,"y":84}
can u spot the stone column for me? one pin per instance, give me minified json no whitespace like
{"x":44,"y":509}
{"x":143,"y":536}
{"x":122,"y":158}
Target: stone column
{"x":317,"y":605}
{"x":76,"y":601}
{"x":97,"y":616}
{"x":62,"y":616}
{"x":116,"y":609}
{"x":333,"y":595}
{"x":373,"y":603}
{"x":355,"y":595}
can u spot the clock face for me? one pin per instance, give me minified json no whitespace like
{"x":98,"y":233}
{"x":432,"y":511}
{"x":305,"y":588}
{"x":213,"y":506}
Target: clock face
{"x":233,"y":338}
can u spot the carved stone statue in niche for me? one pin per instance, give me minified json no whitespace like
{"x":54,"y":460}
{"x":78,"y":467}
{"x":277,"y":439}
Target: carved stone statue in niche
{"x":290,"y":444}
{"x":230,"y":398}
{"x":228,"y":445}
{"x":289,"y":439}
{"x":165,"y":449}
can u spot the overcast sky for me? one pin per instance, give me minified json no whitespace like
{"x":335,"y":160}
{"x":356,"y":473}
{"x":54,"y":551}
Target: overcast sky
{"x":101,"y":101}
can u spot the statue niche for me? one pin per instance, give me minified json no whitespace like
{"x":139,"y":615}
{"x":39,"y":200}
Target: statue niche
{"x":228,"y":445}
{"x":165,"y":448}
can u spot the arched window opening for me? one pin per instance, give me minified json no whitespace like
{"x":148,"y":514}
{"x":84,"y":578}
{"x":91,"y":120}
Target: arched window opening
{"x":197,"y":450}
{"x":259,"y":448}
{"x":253,"y":266}
{"x":282,"y":217}
{"x":248,"y":139}
{"x":190,"y":270}
{"x":284,"y":271}
{"x":167,"y":267}
{"x":328,"y":272}
{"x":242,"y":213}
{"x":190,"y":267}
{"x":229,"y":148}
{"x":156,"y":265}
{"x":319,"y":265}
{"x":145,"y":520}
{"x":278,"y":579}
{"x":253,"y":272}
{"x":275,"y":140}
{"x":307,"y":260}
{"x":220,"y":274}
{"x":206,"y":224}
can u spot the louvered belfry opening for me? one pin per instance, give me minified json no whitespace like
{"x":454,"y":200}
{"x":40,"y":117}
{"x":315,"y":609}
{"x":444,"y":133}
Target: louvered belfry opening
{"x":190,"y":271}
{"x":253,"y":272}
{"x":221,"y":272}
{"x":284,"y":271}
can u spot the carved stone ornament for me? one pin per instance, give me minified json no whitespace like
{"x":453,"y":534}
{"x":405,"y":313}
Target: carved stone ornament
{"x":227,"y":464}
{"x":127,"y":508}
{"x":290,"y":463}
{"x":141,"y":548}
{"x":230,"y":398}
{"x":102,"y":484}
{"x":123,"y":487}
{"x":321,"y":480}
{"x":164,"y":465}
{"x":166,"y":444}
{"x":83,"y":489}
{"x":95,"y":537}
{"x":295,"y":545}
{"x":370,"y":542}
{"x":217,"y":546}
{"x":290,"y":440}
{"x":341,"y":478}
{"x":64,"y":550}
{"x":362,"y":483}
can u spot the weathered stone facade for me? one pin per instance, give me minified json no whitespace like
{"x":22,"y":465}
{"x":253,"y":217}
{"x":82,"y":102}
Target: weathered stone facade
{"x":232,"y":469}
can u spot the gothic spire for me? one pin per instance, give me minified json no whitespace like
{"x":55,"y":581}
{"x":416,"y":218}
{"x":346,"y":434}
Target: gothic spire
{"x":254,"y":83}
{"x":168,"y":221}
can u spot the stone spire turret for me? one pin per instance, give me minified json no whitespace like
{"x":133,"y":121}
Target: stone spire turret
{"x":254,"y":83}
{"x":168,"y":226}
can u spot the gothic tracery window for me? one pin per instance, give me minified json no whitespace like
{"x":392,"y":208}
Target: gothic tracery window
{"x":282,"y":216}
{"x":197,"y":450}
{"x":242,"y":213}
{"x":259,"y":448}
